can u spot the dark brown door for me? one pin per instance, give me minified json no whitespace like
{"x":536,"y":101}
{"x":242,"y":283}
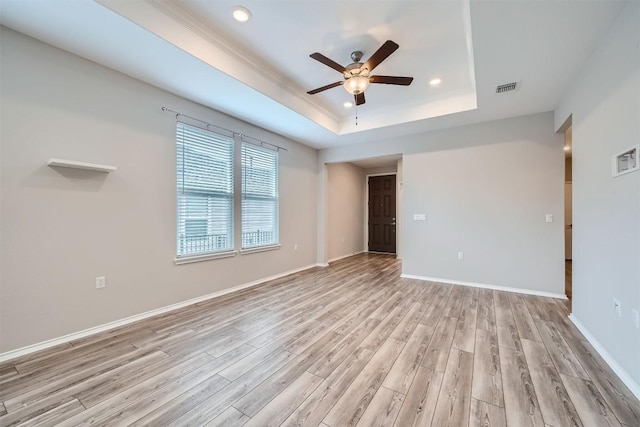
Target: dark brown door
{"x":382,"y":214}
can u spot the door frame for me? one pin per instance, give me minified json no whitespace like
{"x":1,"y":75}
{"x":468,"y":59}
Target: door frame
{"x":564,"y":220}
{"x":366,"y":208}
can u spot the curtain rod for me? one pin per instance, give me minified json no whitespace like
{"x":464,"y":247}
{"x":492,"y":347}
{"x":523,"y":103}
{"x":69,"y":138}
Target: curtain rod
{"x":241,"y":135}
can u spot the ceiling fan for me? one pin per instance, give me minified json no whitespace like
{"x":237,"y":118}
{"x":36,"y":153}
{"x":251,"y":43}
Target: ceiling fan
{"x":357,"y":76}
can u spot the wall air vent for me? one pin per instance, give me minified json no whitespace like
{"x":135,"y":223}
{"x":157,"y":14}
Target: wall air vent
{"x":507,"y":87}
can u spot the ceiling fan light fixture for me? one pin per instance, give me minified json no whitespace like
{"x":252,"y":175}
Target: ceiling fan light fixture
{"x":241,"y":14}
{"x":356,"y":85}
{"x":357,"y":74}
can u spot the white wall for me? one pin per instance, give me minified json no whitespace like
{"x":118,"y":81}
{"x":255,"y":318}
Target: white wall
{"x":62,"y":228}
{"x":605,"y":108}
{"x":345,"y":210}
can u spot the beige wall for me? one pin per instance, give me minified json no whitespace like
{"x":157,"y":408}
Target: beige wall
{"x":485,"y":189}
{"x":345,"y":210}
{"x":605,"y":105}
{"x":489,"y":202}
{"x":62,"y":228}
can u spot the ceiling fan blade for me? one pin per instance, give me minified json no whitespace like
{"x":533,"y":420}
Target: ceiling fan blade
{"x":381,"y":54}
{"x":320,"y":89}
{"x":359,"y":98}
{"x":391,"y":80}
{"x":328,"y":62}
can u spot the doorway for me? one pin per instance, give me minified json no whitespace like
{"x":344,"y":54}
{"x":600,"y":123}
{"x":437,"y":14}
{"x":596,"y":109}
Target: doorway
{"x":382,"y":214}
{"x":568,"y":215}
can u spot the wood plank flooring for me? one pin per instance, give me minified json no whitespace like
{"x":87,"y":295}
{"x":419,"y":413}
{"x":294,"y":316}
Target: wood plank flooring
{"x":350,"y":344}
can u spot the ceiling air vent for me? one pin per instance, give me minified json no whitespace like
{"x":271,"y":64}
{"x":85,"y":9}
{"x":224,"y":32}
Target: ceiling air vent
{"x":507,"y":87}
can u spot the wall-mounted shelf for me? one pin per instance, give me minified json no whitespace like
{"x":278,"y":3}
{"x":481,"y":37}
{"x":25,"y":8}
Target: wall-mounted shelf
{"x":59,"y":163}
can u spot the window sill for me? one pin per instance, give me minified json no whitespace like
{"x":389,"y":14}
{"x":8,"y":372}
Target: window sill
{"x":259,"y":249}
{"x":206,"y":257}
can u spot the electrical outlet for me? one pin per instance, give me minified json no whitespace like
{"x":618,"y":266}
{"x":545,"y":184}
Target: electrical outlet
{"x":460,"y":255}
{"x":617,"y":306}
{"x":636,"y":318}
{"x":548,"y":217}
{"x":101,"y":282}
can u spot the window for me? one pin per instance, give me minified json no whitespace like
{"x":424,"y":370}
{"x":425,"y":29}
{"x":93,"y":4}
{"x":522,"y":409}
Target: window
{"x":205,"y":191}
{"x":259,"y":196}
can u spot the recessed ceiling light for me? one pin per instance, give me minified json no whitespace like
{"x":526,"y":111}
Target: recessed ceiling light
{"x":435,"y":82}
{"x":241,"y":14}
{"x":348,"y":104}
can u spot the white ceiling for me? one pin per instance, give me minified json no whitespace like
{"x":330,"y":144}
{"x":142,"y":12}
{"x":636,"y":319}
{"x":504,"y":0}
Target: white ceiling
{"x":378,"y":162}
{"x":260,"y":71}
{"x":437,"y":45}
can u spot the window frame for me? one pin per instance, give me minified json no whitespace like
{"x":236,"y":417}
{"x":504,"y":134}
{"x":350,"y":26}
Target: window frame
{"x":236,"y":197}
{"x":226,"y":147}
{"x":273,"y":178}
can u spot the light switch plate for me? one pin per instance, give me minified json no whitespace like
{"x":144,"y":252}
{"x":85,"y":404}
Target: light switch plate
{"x":617,"y":307}
{"x":101,"y":282}
{"x":548,"y":218}
{"x":419,"y":217}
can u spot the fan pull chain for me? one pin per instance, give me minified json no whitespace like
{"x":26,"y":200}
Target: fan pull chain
{"x":356,"y":114}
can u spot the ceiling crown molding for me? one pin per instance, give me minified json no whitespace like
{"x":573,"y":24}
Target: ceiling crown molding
{"x":175,"y":11}
{"x":246,"y":68}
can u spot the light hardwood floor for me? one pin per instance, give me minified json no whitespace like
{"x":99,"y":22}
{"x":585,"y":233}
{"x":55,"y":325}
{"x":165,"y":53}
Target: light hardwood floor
{"x":351,"y":344}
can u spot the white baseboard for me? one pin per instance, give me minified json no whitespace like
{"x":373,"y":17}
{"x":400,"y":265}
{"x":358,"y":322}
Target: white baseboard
{"x":615,"y":366}
{"x":486,"y":286}
{"x":12,"y":354}
{"x":344,"y":256}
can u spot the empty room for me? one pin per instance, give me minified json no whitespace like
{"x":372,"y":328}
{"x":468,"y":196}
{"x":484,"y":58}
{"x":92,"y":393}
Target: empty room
{"x":320,"y":213}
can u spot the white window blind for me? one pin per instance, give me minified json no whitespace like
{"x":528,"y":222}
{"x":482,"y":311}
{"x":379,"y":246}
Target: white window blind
{"x":259,"y":196}
{"x":205,"y":191}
